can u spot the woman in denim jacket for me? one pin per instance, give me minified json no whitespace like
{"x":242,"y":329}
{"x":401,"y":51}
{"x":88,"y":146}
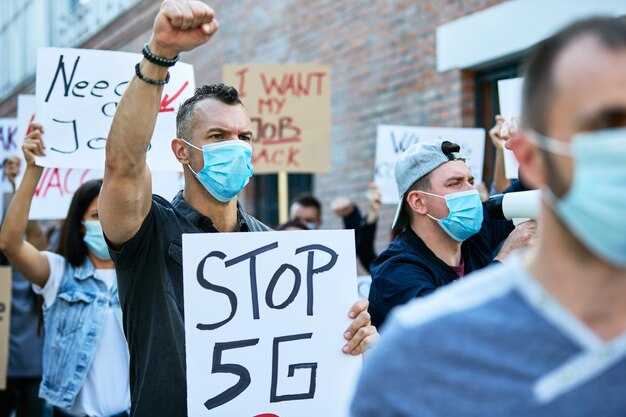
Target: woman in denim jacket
{"x":85,"y":359}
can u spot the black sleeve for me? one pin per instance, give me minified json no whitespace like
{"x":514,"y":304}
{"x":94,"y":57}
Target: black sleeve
{"x":365,"y":246}
{"x":494,"y":231}
{"x":516,"y":186}
{"x":390,"y":288}
{"x":136,"y":247}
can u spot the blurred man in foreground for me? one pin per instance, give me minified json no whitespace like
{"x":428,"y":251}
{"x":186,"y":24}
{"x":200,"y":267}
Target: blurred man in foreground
{"x":545,"y":334}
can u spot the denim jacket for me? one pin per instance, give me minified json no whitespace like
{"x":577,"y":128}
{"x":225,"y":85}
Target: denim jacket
{"x":73,"y":327}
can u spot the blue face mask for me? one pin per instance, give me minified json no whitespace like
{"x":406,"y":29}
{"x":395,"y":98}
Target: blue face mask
{"x":94,"y":239}
{"x":227,"y":168}
{"x":466,"y":214}
{"x":593,"y":207}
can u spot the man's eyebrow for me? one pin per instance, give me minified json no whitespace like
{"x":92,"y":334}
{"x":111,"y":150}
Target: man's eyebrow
{"x":223,"y":130}
{"x":217,"y":129}
{"x":458,"y":178}
{"x":616,"y":113}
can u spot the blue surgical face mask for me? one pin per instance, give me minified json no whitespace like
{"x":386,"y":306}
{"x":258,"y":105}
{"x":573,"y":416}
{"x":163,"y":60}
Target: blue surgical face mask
{"x":466,"y":214}
{"x":94,"y":239}
{"x":227,"y":168}
{"x":311,"y":225}
{"x":593,"y":209}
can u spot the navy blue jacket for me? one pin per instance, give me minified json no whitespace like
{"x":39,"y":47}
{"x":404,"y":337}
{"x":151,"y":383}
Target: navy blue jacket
{"x":408,"y":269}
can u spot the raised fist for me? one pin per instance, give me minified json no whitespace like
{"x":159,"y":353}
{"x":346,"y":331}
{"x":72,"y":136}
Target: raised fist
{"x":181,"y":25}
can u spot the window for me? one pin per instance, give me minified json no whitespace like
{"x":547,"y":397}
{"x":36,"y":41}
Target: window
{"x":265,"y":194}
{"x":487,"y":106}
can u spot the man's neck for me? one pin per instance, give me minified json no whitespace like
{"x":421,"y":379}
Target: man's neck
{"x":223,"y":215}
{"x":438,"y":241}
{"x":588,"y":287}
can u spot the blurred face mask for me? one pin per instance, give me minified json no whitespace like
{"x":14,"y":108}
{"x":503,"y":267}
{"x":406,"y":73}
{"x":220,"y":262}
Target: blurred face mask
{"x":227,"y":168}
{"x":466,"y":214}
{"x":593,"y":207}
{"x":94,"y":239}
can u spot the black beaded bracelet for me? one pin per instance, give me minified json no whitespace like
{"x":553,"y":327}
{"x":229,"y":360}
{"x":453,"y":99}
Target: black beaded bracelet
{"x":150,"y":80}
{"x":157,"y":60}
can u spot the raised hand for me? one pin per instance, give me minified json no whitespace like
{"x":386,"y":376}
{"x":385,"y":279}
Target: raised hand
{"x":33,"y":144}
{"x":181,"y":25}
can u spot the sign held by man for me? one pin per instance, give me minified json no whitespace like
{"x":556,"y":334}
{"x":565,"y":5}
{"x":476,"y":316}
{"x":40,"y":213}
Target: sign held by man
{"x":264,"y":315}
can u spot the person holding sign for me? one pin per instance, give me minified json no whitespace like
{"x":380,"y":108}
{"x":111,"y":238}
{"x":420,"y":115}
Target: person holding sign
{"x":26,"y":336}
{"x":543,"y":334}
{"x":448,"y":232}
{"x":86,"y":360}
{"x":144,"y":232}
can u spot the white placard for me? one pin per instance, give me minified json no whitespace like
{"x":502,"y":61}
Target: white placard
{"x":9,"y":146}
{"x":56,"y":187}
{"x":393,"y":140}
{"x":283,"y":312}
{"x":510,"y":96}
{"x":77,"y":94}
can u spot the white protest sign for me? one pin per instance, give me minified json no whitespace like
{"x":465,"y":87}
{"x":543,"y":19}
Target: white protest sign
{"x":56,"y":187}
{"x":9,"y":145}
{"x":510,"y":96}
{"x":77,"y":93}
{"x":393,"y":140}
{"x":265,"y":315}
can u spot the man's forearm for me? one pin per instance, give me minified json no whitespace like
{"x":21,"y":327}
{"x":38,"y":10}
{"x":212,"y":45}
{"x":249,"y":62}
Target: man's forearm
{"x":16,"y":218}
{"x":133,"y":123}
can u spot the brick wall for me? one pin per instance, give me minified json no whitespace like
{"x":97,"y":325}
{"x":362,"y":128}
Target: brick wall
{"x":382,"y":56}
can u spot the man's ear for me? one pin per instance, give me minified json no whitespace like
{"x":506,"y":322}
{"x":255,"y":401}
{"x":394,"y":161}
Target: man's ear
{"x":416,"y":203}
{"x":180,"y":151}
{"x":531,"y":165}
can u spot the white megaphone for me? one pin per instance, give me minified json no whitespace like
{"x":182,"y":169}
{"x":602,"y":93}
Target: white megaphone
{"x":516,"y":206}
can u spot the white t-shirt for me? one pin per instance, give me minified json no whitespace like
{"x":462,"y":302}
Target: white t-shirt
{"x":106,"y":390}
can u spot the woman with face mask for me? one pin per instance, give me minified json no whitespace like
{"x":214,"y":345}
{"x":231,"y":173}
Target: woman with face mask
{"x":85,"y":359}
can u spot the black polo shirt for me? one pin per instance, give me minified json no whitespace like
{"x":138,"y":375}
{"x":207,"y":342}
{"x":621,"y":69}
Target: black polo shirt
{"x":409,"y":269}
{"x":150,"y":280}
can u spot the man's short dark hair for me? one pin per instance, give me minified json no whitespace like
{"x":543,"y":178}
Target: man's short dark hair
{"x":220,"y":92}
{"x":538,"y":79}
{"x":308,"y":200}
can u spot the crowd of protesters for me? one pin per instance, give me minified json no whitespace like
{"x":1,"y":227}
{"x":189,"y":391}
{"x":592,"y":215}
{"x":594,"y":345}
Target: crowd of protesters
{"x":478,"y":316}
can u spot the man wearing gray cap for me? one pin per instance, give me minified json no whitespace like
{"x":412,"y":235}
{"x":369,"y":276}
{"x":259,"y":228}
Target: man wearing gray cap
{"x":448,"y":233}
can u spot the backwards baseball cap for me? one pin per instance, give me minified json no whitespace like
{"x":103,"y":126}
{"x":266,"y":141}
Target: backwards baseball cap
{"x":416,"y":162}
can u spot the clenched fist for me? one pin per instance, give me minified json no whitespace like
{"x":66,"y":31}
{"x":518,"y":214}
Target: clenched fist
{"x":181,"y":25}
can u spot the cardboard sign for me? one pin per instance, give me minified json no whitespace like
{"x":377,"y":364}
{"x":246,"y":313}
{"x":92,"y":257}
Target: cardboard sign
{"x":392,"y":141}
{"x":56,"y":187}
{"x":290,"y":110}
{"x":77,"y":93}
{"x":510,"y":97}
{"x":265,"y":315}
{"x":5,"y":321}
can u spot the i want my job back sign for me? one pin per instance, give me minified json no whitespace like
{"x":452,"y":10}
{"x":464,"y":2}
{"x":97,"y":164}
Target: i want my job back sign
{"x":265,"y":315}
